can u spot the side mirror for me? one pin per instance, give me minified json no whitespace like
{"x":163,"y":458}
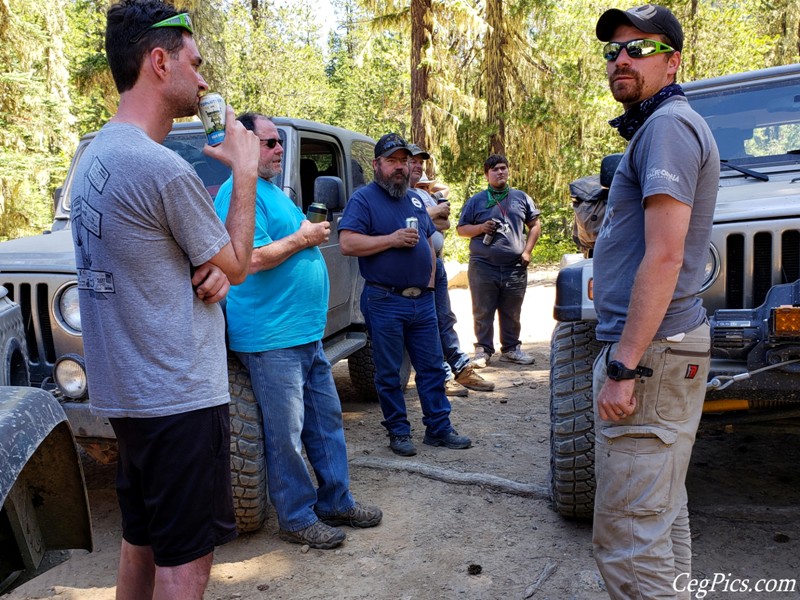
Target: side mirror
{"x":607,"y":169}
{"x":329,"y":190}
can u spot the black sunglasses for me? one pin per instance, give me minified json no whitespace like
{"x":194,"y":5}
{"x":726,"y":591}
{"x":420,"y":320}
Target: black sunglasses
{"x":270,"y":142}
{"x":635,"y":48}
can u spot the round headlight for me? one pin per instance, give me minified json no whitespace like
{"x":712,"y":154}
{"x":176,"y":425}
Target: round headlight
{"x":711,"y":271}
{"x":69,"y":307}
{"x":70,"y":376}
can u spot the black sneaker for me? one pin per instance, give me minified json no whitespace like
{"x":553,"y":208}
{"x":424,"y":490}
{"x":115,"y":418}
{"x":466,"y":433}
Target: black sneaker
{"x":401,"y":444}
{"x":317,"y":535}
{"x":359,"y":516}
{"x":450,"y":440}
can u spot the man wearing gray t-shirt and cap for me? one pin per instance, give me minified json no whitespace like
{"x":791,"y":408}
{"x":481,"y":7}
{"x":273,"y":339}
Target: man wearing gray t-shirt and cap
{"x":649,"y":380}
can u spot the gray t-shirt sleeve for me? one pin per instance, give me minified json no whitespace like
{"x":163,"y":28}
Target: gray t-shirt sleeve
{"x":669,"y":168}
{"x":190,"y":216}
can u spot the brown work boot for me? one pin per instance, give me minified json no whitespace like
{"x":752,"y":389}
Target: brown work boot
{"x":470,"y":379}
{"x":453,"y":388}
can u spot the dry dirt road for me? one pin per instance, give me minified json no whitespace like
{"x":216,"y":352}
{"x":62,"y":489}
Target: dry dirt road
{"x":456,"y":539}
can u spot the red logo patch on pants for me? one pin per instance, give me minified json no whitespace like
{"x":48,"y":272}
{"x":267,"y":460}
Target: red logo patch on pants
{"x":691,"y":371}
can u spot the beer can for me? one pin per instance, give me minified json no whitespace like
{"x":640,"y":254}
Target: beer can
{"x":412,"y":223}
{"x":317,"y":212}
{"x":488,"y":238}
{"x":212,"y":113}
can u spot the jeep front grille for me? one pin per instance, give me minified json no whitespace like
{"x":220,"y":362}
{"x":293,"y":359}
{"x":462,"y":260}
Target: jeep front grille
{"x":34,"y":300}
{"x":756,"y":262}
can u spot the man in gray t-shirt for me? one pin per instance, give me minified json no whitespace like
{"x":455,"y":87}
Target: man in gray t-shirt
{"x":145,"y":232}
{"x":649,"y":379}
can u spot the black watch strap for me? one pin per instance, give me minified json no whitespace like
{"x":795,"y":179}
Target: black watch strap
{"x":619,"y":372}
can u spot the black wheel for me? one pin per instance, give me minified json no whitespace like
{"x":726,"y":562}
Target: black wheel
{"x":573,"y":349}
{"x":362,"y":372}
{"x":248,"y":463}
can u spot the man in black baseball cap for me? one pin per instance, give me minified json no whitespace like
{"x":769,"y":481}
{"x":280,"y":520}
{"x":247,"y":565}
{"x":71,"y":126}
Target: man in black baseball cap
{"x":650,"y":376}
{"x":650,"y":18}
{"x":389,"y":144}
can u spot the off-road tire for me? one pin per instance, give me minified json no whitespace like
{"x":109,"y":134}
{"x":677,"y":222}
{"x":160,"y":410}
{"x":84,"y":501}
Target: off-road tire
{"x":573,"y":349}
{"x":362,"y":373}
{"x":248,"y":463}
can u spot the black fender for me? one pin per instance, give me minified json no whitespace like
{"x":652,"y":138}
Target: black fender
{"x":42,"y":488}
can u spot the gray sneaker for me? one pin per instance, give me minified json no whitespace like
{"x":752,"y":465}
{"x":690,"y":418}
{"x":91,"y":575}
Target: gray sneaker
{"x":317,"y":535}
{"x":358,"y":516}
{"x":481,"y":358}
{"x":517,"y":356}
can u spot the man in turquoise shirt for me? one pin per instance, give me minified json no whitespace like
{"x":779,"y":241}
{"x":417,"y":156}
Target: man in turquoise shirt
{"x":276,"y":319}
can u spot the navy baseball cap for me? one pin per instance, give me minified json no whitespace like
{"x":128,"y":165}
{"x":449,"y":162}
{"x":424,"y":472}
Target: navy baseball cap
{"x":650,"y":18}
{"x":389,"y":144}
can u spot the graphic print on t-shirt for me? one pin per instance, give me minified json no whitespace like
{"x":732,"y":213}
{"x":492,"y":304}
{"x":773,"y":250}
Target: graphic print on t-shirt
{"x":88,"y":225}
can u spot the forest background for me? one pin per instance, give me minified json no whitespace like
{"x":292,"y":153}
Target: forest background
{"x":462,"y":78}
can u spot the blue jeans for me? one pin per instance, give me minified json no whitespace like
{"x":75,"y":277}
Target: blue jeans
{"x":455,"y":359}
{"x":300,"y":407}
{"x":501,"y":290}
{"x":394,"y":323}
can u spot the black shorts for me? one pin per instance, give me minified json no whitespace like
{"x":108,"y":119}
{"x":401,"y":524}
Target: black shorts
{"x":174,"y":483}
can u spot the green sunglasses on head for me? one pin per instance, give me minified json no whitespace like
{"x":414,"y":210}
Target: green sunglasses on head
{"x":635,"y":48}
{"x":179,"y":20}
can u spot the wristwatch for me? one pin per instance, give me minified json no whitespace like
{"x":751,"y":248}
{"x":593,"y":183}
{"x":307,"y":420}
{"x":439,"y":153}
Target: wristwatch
{"x":618,"y":372}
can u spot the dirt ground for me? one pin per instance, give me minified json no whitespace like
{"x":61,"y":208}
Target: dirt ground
{"x":454,"y":538}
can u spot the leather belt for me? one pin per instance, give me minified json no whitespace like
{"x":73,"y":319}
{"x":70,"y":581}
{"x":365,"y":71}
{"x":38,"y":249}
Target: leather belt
{"x":409,"y":292}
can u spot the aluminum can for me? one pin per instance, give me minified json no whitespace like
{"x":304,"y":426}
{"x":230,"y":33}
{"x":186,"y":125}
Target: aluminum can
{"x":412,"y":223}
{"x":317,"y":212}
{"x":488,"y":238}
{"x":212,"y":111}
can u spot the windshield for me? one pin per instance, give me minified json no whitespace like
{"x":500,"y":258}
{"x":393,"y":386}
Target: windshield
{"x":757,"y":124}
{"x":211,"y":171}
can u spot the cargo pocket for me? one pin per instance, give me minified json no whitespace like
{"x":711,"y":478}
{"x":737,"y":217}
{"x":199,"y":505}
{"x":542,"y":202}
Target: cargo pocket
{"x":682,"y":383}
{"x":634,"y":470}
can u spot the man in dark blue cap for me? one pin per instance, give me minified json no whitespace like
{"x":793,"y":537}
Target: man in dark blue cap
{"x":389,"y":232}
{"x":650,"y":377}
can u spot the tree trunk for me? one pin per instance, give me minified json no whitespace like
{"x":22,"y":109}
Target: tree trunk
{"x":421,"y":32}
{"x":496,"y":77}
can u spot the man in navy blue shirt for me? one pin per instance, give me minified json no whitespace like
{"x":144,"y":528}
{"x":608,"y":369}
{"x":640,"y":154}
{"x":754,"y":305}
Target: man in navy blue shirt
{"x":398,"y":263}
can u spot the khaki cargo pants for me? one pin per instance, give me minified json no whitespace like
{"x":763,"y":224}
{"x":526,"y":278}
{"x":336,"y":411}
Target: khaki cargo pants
{"x":641,"y":521}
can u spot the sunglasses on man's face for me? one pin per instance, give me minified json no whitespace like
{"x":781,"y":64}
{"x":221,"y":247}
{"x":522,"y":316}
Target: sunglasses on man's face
{"x":270,"y":142}
{"x":635,"y":48}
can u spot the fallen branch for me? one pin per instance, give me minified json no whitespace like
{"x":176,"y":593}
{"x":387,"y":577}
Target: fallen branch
{"x":548,"y":570}
{"x":492,"y":482}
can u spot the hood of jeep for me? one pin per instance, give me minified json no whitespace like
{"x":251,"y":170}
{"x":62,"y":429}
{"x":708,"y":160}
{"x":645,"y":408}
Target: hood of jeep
{"x":753,"y":200}
{"x":46,"y":253}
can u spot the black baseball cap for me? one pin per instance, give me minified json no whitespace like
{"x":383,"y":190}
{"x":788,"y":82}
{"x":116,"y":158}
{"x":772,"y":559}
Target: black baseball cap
{"x":417,"y":151}
{"x":389,"y":144}
{"x":650,"y":18}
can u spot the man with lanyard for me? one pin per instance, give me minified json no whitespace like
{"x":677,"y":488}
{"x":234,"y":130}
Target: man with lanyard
{"x":649,"y":379}
{"x":461,"y":374}
{"x":390,"y":234}
{"x":499,"y":253}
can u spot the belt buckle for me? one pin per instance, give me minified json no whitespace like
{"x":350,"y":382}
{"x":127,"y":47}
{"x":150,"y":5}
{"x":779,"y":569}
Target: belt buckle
{"x":412,"y":292}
